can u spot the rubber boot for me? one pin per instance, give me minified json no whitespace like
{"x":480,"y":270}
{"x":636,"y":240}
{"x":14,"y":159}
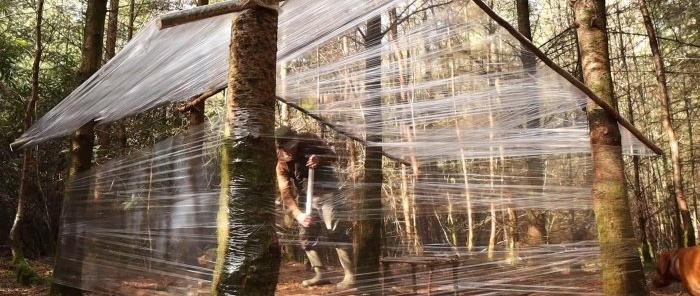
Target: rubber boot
{"x":345,"y":258}
{"x":320,"y":278}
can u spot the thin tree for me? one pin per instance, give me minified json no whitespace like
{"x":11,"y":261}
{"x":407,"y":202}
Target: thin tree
{"x":82,"y":142}
{"x":688,"y":234}
{"x":132,"y":18}
{"x":107,"y":133}
{"x":642,"y":208}
{"x":196,"y":114}
{"x":536,"y":228}
{"x":621,"y":267}
{"x":111,"y":35}
{"x":248,"y":254}
{"x":25,"y":274}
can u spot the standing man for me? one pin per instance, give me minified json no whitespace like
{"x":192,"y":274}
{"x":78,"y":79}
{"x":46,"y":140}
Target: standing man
{"x":296,"y":154}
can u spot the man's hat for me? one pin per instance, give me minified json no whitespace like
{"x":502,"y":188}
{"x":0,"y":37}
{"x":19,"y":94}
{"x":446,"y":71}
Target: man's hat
{"x":286,"y":137}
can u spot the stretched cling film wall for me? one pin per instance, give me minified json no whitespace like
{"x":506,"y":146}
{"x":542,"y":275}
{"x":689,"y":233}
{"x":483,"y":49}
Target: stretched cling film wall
{"x":489,"y":206}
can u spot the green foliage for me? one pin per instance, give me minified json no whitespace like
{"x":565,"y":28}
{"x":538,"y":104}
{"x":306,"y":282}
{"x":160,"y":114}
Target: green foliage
{"x":25,"y":274}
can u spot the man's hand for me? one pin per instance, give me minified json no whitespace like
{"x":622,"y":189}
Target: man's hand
{"x":314,"y":161}
{"x":303,"y":219}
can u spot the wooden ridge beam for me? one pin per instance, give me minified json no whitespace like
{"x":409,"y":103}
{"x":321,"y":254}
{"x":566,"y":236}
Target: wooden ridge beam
{"x":206,"y":11}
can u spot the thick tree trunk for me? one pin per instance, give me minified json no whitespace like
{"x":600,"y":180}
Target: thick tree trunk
{"x":688,"y":237}
{"x":368,"y":236}
{"x":621,"y":266}
{"x":81,"y":144}
{"x":248,"y":252}
{"x":24,"y":273}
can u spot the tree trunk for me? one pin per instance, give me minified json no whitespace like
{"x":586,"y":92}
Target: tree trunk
{"x":535,"y":219}
{"x":81,"y":144}
{"x":111,"y":36}
{"x":368,"y":237}
{"x":248,"y":250}
{"x":621,"y":266}
{"x":196,"y":114}
{"x":132,"y":18}
{"x":195,"y":142}
{"x":688,"y":237}
{"x":25,"y":274}
{"x":106,"y":134}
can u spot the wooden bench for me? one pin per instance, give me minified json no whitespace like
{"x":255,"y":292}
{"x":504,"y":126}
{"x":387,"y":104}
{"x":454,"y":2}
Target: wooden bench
{"x":430,"y":262}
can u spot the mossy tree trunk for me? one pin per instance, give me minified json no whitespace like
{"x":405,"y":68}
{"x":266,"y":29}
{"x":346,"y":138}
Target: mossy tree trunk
{"x":81,"y":144}
{"x":621,"y":265}
{"x":368,"y":236}
{"x":248,"y":256}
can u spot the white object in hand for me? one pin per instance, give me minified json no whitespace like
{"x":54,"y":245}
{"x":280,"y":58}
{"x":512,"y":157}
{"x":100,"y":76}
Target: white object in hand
{"x":309,"y":192}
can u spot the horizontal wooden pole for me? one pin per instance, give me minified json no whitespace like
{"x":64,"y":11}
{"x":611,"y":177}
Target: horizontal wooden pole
{"x":578,"y":84}
{"x":337,"y":130}
{"x":211,"y":10}
{"x":203,"y":96}
{"x":194,"y":100}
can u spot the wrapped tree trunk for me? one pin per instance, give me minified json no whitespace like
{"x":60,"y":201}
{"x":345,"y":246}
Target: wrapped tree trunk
{"x":535,"y":219}
{"x":248,"y":255}
{"x":81,"y":143}
{"x":368,"y":235}
{"x":622,"y":268}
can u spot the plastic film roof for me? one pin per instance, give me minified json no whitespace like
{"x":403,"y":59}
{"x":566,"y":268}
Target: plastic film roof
{"x":448,"y":71}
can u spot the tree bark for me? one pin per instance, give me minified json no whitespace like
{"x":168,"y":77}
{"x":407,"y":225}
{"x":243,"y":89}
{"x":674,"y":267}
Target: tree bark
{"x":621,"y":267}
{"x":24,"y":273}
{"x":688,"y":233}
{"x":368,"y":236}
{"x":248,"y":249}
{"x":81,"y":144}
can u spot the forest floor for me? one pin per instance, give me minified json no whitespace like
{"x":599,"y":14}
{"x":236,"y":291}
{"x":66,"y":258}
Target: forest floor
{"x":289,"y":282}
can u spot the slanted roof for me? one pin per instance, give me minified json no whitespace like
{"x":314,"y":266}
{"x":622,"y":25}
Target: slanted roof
{"x":453,"y":85}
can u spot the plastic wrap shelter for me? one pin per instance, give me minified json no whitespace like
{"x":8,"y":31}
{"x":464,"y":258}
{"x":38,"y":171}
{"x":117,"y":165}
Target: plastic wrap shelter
{"x":486,"y":167}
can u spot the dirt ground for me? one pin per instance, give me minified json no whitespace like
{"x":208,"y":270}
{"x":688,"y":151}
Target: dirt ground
{"x":289,"y":283}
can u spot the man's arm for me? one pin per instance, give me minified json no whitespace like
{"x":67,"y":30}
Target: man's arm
{"x":287,"y":191}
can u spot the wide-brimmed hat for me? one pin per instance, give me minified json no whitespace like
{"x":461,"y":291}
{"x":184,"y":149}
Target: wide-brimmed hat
{"x":286,"y":137}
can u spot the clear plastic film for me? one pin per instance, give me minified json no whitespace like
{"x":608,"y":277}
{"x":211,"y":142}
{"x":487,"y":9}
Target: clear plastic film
{"x":486,"y":176}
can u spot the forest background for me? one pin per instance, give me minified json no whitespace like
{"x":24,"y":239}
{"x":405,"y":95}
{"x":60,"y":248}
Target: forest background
{"x":656,"y":202}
